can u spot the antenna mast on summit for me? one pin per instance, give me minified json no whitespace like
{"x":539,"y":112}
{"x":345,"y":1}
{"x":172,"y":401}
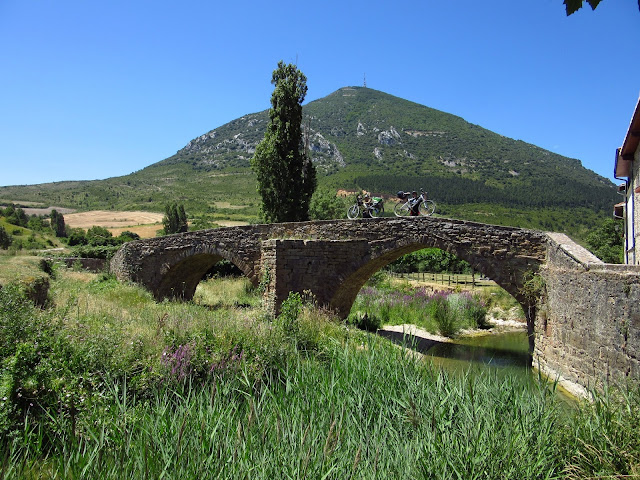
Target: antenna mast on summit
{"x":365,"y":80}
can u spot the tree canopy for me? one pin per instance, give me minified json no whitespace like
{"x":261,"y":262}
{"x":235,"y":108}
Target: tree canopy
{"x":573,"y":6}
{"x":326,"y":205}
{"x":286,"y":176}
{"x":57,"y":224}
{"x":175,"y":219}
{"x":607,"y":241}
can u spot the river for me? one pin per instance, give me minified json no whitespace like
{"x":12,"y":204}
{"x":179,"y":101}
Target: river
{"x":502,"y":352}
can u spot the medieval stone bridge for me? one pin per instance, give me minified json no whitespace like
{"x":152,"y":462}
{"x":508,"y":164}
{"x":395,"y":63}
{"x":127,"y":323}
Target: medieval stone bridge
{"x":584,"y":327}
{"x":333,"y":259}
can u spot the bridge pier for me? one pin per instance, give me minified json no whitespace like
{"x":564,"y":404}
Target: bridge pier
{"x":316,"y":266}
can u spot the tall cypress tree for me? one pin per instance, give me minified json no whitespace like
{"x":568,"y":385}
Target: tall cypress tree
{"x":175,"y":219}
{"x":286,"y":176}
{"x":57,"y":224}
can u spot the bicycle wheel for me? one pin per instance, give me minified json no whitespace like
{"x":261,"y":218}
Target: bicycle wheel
{"x":375,"y":212}
{"x":401,"y":209}
{"x":427,"y":207}
{"x":353,"y":212}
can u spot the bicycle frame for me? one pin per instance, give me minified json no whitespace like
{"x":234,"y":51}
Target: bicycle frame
{"x":425,"y":207}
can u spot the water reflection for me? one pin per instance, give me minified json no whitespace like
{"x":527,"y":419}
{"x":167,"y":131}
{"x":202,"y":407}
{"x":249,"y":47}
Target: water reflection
{"x":502,"y":354}
{"x":500,"y":350}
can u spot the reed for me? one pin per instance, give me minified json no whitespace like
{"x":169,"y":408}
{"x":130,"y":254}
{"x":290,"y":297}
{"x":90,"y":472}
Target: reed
{"x":368,"y":411}
{"x":440,"y":312}
{"x":119,"y":386}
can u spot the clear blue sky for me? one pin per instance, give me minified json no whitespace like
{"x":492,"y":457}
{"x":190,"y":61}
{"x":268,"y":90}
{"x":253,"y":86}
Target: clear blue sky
{"x":91,"y":90}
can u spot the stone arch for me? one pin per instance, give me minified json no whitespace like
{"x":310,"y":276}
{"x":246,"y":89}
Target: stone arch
{"x":181,"y":276}
{"x":507,"y":277}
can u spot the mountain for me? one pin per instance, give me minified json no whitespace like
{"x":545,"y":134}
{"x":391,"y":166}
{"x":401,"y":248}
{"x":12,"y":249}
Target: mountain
{"x":360,"y":138}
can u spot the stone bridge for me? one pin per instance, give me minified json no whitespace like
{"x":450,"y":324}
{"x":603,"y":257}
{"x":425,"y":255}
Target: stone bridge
{"x":584,"y":325}
{"x":333,"y":259}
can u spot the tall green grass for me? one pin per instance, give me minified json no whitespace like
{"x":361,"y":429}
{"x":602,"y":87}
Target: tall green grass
{"x":367,"y":411}
{"x":440,"y":312}
{"x":107,"y":383}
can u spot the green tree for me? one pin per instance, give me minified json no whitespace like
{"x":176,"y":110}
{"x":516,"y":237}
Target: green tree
{"x":433,"y":260}
{"x":326,"y":205}
{"x":57,"y":224}
{"x":286,"y":175}
{"x":175,"y":219}
{"x":76,"y":237}
{"x":5,"y":238}
{"x":16,"y":216}
{"x":607,"y":241}
{"x":99,"y":236}
{"x":128,"y":236}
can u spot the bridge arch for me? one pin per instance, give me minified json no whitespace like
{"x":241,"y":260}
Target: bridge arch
{"x":319,"y":256}
{"x":180,"y":278}
{"x":350,"y":285}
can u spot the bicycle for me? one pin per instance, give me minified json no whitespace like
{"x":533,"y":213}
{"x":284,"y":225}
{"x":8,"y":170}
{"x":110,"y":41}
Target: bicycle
{"x":369,"y":210}
{"x":406,"y":207}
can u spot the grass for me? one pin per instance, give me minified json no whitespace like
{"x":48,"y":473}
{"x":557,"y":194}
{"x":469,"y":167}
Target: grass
{"x":442,"y":312}
{"x":106,"y":383}
{"x":368,"y":411}
{"x":226,"y":292}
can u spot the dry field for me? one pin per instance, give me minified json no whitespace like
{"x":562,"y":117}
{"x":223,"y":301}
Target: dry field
{"x":144,"y":224}
{"x":229,"y":205}
{"x":230,"y":223}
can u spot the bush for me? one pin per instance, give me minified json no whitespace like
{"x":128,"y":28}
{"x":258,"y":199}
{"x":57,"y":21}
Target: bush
{"x":289,"y":311}
{"x":380,"y":280}
{"x":48,"y":266}
{"x":5,"y":238}
{"x":88,"y":251}
{"x":365,"y":321}
{"x":444,"y":316}
{"x":468,"y":309}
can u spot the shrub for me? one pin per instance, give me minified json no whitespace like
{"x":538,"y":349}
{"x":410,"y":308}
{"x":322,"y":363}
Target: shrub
{"x":5,"y":238}
{"x":289,"y":311}
{"x":48,"y":266}
{"x":365,"y":321}
{"x":444,"y":316}
{"x":468,"y":309}
{"x":88,"y":251}
{"x":379,"y":280}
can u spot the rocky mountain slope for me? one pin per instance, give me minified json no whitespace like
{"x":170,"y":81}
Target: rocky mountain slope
{"x":363,"y":138}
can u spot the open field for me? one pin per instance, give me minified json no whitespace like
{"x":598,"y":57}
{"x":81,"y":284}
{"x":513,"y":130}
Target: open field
{"x":229,"y":205}
{"x":145,"y":231}
{"x":450,"y":280}
{"x":47,"y":211}
{"x":231,"y":223}
{"x":112,"y":219}
{"x":144,"y":224}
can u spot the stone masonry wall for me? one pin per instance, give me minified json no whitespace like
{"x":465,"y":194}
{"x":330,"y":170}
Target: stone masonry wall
{"x":587,"y":327}
{"x":317,"y":266}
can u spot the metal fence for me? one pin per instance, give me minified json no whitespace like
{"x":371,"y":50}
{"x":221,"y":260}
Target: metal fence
{"x":450,"y":279}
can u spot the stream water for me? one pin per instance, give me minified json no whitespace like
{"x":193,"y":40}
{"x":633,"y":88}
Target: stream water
{"x":501,"y":353}
{"x":506,"y":351}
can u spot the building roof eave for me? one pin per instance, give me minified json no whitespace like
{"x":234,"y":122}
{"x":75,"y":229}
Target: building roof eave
{"x":632,"y":138}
